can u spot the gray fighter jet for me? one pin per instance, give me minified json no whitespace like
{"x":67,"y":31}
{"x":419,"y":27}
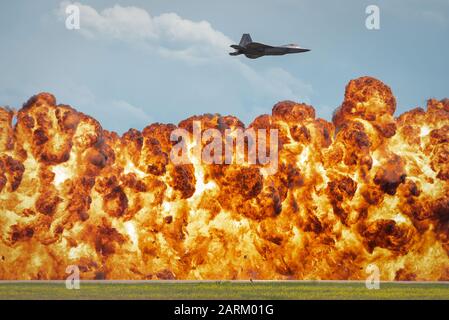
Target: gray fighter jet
{"x":254,"y":50}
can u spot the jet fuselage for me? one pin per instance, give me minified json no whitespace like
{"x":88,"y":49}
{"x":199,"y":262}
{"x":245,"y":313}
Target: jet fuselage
{"x":254,"y":50}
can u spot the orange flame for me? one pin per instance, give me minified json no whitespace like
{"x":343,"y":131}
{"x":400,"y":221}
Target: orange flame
{"x":366,"y":188}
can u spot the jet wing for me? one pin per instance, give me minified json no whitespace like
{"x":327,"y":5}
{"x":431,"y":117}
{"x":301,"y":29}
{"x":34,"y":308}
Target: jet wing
{"x":257,"y":46}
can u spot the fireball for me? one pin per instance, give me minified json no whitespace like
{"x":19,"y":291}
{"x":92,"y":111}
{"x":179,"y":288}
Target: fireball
{"x":367,"y":188}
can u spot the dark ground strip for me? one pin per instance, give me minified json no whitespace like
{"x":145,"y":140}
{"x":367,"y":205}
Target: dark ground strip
{"x":223,"y":290}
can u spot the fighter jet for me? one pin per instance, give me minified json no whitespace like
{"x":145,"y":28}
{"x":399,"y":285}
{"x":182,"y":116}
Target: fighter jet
{"x":254,"y":50}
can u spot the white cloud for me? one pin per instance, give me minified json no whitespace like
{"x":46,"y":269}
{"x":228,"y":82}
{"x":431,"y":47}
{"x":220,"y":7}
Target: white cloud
{"x":118,"y":22}
{"x":132,"y":111}
{"x":111,"y":113}
{"x":168,"y":32}
{"x":173,"y":27}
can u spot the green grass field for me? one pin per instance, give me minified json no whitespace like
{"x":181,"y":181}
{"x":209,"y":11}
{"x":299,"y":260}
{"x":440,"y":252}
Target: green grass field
{"x":223,"y":290}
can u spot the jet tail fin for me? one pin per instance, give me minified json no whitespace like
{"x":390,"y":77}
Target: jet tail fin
{"x":246,"y":38}
{"x":236,"y":47}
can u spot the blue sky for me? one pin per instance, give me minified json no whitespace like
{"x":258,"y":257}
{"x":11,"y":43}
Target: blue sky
{"x":137,"y":62}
